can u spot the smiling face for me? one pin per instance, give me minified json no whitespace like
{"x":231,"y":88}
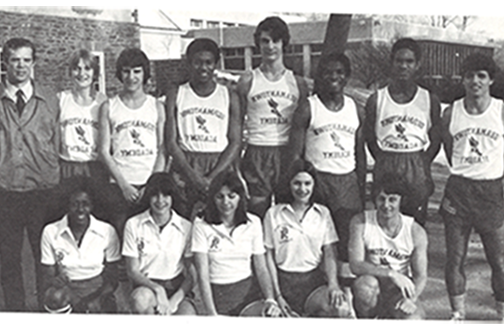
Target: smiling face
{"x":80,"y":207}
{"x":132,"y":78}
{"x":202,"y":66}
{"x":270,"y":50}
{"x":82,"y":74}
{"x":160,"y":203}
{"x":387,"y":205}
{"x":477,"y":83}
{"x":334,"y":78}
{"x":404,"y":64}
{"x":19,"y":65}
{"x":226,"y":201}
{"x":301,"y":186}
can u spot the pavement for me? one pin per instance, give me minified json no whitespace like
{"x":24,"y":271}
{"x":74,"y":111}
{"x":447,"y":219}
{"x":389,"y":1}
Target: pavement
{"x":479,"y":304}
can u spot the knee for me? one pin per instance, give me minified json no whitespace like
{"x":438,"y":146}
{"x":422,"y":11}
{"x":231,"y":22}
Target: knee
{"x":57,"y":298}
{"x":186,"y":308}
{"x":365,"y":290}
{"x":142,"y":301}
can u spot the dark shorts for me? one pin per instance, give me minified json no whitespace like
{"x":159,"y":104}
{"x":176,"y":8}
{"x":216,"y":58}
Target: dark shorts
{"x":263,"y":167}
{"x":171,"y":285}
{"x":473,"y":203}
{"x":416,"y":172}
{"x":79,"y":289}
{"x":230,"y":299}
{"x":340,"y":193}
{"x":297,"y":286}
{"x":189,"y":196}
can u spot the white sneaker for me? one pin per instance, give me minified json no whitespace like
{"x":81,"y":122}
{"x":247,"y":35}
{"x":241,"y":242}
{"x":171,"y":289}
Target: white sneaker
{"x":457,"y":316}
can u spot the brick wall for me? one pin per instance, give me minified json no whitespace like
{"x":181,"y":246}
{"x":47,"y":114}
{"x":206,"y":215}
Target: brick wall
{"x":166,"y":73}
{"x":55,"y":38}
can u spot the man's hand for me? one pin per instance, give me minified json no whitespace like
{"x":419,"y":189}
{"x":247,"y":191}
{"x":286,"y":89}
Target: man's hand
{"x":406,"y":305}
{"x":336,"y":296}
{"x":404,"y":283}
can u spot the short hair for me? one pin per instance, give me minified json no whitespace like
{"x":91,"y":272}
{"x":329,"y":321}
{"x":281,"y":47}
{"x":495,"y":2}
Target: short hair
{"x":133,"y":57}
{"x":159,"y":182}
{"x":77,"y":185}
{"x":332,"y":57}
{"x":15,"y":43}
{"x":276,"y":28}
{"x":88,"y":59}
{"x":407,"y":43}
{"x":200,"y":45}
{"x":391,"y":184}
{"x":231,"y":180}
{"x":478,"y":62}
{"x":296,"y":167}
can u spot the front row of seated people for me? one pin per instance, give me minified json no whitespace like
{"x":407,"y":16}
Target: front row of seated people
{"x":290,"y":265}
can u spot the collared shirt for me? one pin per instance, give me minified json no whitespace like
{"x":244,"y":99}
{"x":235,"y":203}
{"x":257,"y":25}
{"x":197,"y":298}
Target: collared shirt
{"x":298,"y":244}
{"x":229,"y":255}
{"x":29,"y":144}
{"x":12,"y":90}
{"x":100,"y":243}
{"x":160,"y":252}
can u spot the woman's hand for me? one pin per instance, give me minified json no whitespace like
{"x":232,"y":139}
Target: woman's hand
{"x":336,"y":296}
{"x":130,"y":193}
{"x":272,"y":309}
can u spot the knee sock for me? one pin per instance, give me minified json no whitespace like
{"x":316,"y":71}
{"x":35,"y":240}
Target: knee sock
{"x":458,"y":304}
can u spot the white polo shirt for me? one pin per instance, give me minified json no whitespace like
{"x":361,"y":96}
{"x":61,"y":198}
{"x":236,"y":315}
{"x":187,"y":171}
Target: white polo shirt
{"x":161,"y":253}
{"x":298,"y":244}
{"x":100,"y":243}
{"x":229,"y":255}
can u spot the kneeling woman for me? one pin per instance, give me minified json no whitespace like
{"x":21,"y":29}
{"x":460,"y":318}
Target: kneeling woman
{"x":156,"y":249}
{"x":223,"y":243}
{"x":300,"y":237}
{"x":79,"y":259}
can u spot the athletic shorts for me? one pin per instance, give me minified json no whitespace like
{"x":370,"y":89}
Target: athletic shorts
{"x":415,"y":171}
{"x":170,"y":285}
{"x":263,"y":167}
{"x":474,"y":203}
{"x":79,"y":289}
{"x":340,"y":193}
{"x":297,"y":286}
{"x":230,"y":299}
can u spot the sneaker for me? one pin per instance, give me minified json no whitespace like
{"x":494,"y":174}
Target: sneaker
{"x":457,"y":316}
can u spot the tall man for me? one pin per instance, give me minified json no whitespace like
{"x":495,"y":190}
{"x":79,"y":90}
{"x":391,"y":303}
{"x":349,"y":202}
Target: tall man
{"x":402,"y":129}
{"x":326,"y":130}
{"x":29,"y":169}
{"x":203,"y":125}
{"x":388,"y":253}
{"x":473,"y":130}
{"x":269,"y":94}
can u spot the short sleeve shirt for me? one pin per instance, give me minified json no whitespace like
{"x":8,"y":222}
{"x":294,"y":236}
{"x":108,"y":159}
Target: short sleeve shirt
{"x":59,"y":247}
{"x":298,"y":244}
{"x":229,"y":256}
{"x":160,"y":252}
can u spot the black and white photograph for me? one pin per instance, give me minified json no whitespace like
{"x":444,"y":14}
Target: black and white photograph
{"x":261,"y":160}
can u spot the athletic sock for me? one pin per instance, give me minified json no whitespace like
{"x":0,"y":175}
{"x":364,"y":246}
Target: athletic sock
{"x":458,"y":307}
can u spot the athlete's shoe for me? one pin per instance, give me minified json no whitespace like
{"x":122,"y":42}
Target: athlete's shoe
{"x":457,"y":316}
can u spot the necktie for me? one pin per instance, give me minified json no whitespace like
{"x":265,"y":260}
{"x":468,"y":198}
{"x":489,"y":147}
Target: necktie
{"x":20,"y":103}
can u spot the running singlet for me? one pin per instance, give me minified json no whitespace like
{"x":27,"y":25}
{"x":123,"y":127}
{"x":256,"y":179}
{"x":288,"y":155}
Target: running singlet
{"x":134,"y":139}
{"x":330,"y":139}
{"x":79,"y":129}
{"x":202,"y":122}
{"x":404,"y":127}
{"x":393,"y":253}
{"x":478,"y":146}
{"x":270,"y":106}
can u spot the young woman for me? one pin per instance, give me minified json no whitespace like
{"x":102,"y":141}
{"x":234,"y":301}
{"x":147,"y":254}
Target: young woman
{"x":224,"y":243}
{"x":156,"y":249}
{"x":300,"y":241}
{"x":79,"y":125}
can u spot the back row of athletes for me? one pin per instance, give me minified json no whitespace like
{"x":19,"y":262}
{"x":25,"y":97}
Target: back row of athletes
{"x":127,"y":138}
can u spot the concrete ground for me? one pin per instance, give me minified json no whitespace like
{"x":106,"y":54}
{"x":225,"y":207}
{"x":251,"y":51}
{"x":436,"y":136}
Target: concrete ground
{"x":479,"y":305}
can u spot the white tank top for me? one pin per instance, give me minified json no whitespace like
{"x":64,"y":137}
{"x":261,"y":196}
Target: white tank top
{"x":79,"y":129}
{"x":134,"y":139}
{"x":270,"y":106}
{"x":478,"y":146}
{"x":393,"y":253}
{"x":330,"y":138}
{"x":203,"y":122}
{"x":403,"y":127}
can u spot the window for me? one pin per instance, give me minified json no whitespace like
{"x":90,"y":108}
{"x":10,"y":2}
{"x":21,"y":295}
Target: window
{"x":99,"y":85}
{"x":196,"y":23}
{"x":3,"y":69}
{"x":212,"y":24}
{"x":227,"y":24}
